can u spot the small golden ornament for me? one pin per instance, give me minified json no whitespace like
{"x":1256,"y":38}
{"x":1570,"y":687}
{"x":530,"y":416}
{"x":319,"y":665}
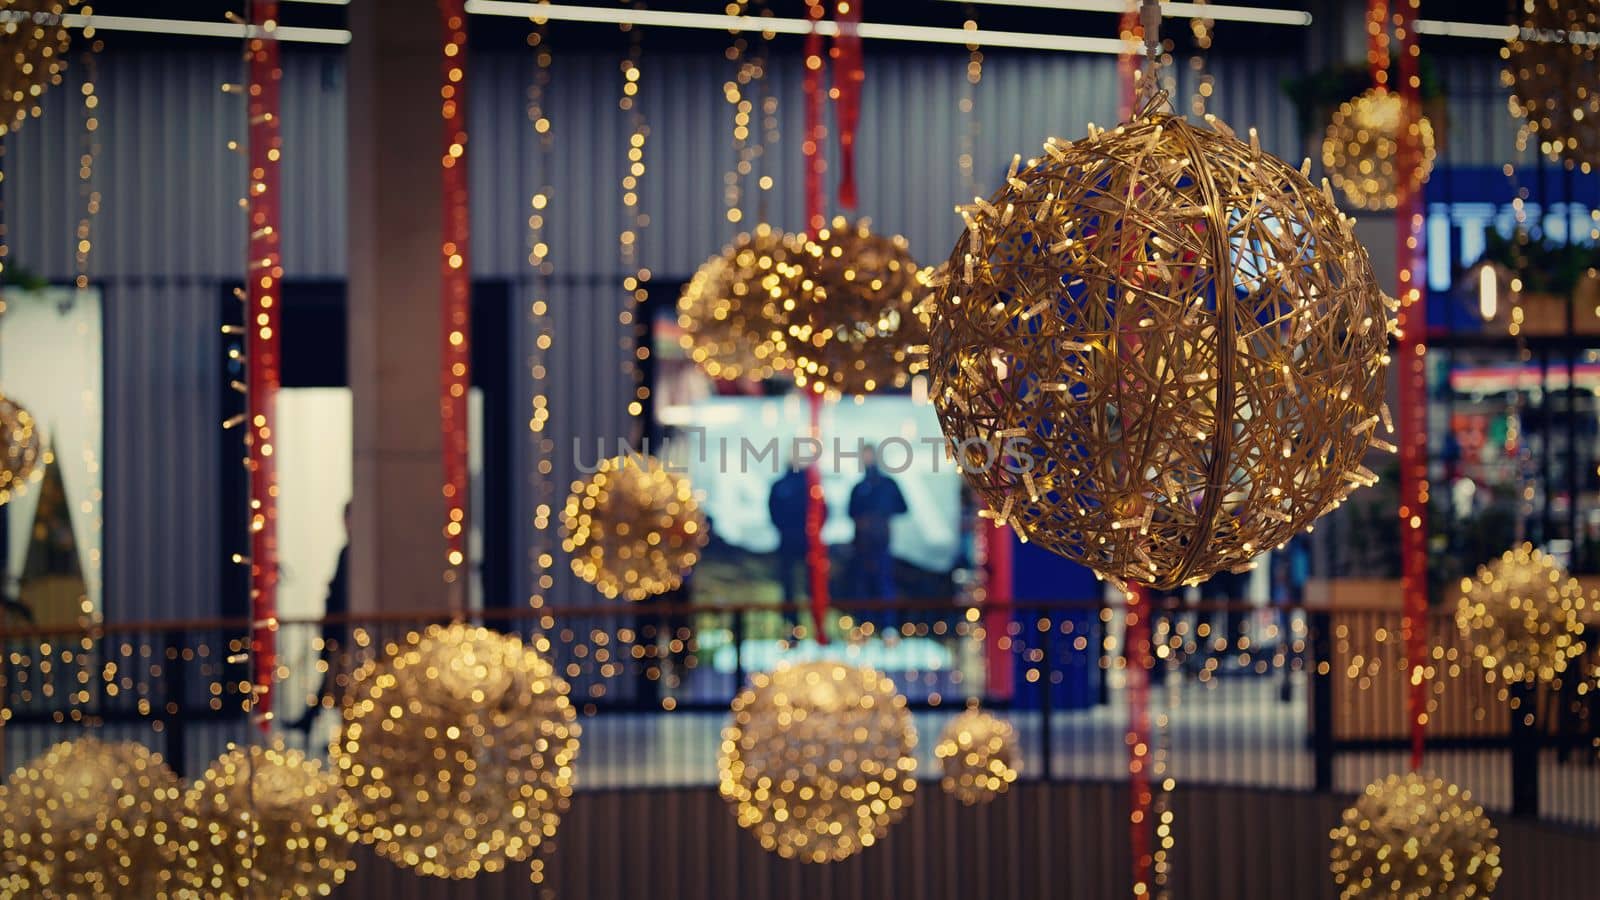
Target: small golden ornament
{"x":1410,"y":837}
{"x":731,"y":311}
{"x":1553,"y":79}
{"x":1160,"y":352}
{"x":1362,"y":147}
{"x":633,"y":528}
{"x":979,"y":755}
{"x":817,"y":759}
{"x":457,"y":751}
{"x":21,"y":450}
{"x":1522,"y":615}
{"x":91,"y":819}
{"x":855,"y":328}
{"x":263,"y":824}
{"x":33,"y":53}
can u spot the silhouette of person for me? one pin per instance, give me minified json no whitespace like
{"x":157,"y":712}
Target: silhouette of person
{"x":335,"y":635}
{"x":787,"y":504}
{"x":874,"y":502}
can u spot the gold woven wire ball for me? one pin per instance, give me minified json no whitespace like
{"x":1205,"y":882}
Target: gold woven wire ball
{"x":89,"y":818}
{"x":817,"y":759}
{"x":1361,"y":150}
{"x":457,"y":750}
{"x":21,"y":450}
{"x":634,"y":528}
{"x":1160,"y":352}
{"x":33,"y":54}
{"x":1410,"y":837}
{"x":1522,"y":615}
{"x":855,"y":328}
{"x":1554,"y":81}
{"x":730,"y":311}
{"x":263,"y":824}
{"x":979,"y":754}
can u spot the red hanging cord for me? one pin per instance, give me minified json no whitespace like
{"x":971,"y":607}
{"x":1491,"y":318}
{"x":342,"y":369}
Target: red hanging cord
{"x":816,"y":509}
{"x":848,"y":75}
{"x":262,"y":336}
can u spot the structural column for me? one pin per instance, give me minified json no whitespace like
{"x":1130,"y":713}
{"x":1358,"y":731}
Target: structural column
{"x":396,"y":333}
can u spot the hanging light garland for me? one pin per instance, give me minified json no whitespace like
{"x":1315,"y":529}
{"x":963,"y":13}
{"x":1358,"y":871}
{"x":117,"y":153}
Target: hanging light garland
{"x":88,"y":818}
{"x":1522,"y":616}
{"x":1552,"y":76}
{"x":633,"y":528}
{"x":979,"y":756}
{"x":1410,"y":837}
{"x":634,"y":221}
{"x":34,"y":40}
{"x":542,"y":556}
{"x":817,"y":759}
{"x":457,"y":750}
{"x":265,"y":823}
{"x":455,"y":300}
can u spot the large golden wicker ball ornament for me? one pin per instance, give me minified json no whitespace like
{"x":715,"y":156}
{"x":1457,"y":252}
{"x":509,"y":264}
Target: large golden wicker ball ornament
{"x":1410,"y":837}
{"x":1361,"y":150}
{"x":1555,"y":80}
{"x":855,"y":328}
{"x":33,"y":54}
{"x":1160,"y":352}
{"x":89,"y":818}
{"x":979,"y":754}
{"x":817,"y":759}
{"x":1522,"y":615}
{"x":633,"y":528}
{"x":732,"y":310}
{"x":265,"y":824}
{"x":457,"y":751}
{"x":21,"y":449}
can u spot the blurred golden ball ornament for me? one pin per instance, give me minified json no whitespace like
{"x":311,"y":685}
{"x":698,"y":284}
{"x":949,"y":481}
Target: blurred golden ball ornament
{"x":34,"y":42}
{"x":1362,"y":147}
{"x":855,"y":328}
{"x":1555,"y":82}
{"x":263,"y":824}
{"x":817,"y":759}
{"x":731,"y":310}
{"x":457,"y":750}
{"x":21,"y":449}
{"x":979,"y":754}
{"x":1412,"y":836}
{"x":1523,"y":615}
{"x":1105,"y":398}
{"x":633,"y":528}
{"x":89,"y":818}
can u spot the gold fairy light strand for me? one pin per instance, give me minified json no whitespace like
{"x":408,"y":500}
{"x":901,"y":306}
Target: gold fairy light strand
{"x":633,"y":528}
{"x":817,"y":760}
{"x":1175,"y":335}
{"x":967,"y":106}
{"x":457,"y":750}
{"x":265,"y":824}
{"x":854,"y":328}
{"x":978,"y":754}
{"x":1412,"y":836}
{"x":1552,"y":65}
{"x":1202,"y":30}
{"x":1523,"y":616}
{"x":90,"y":196}
{"x":542,"y":556}
{"x":634,"y":221}
{"x":34,"y":40}
{"x":89,"y":818}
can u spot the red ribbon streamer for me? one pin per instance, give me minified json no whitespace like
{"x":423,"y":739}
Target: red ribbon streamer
{"x":848,"y":76}
{"x":262,"y":336}
{"x":816,"y":510}
{"x":1413,"y":385}
{"x":455,"y":295}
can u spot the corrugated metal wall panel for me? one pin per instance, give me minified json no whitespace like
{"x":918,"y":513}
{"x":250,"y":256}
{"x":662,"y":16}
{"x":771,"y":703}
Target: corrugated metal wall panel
{"x":171,"y":233}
